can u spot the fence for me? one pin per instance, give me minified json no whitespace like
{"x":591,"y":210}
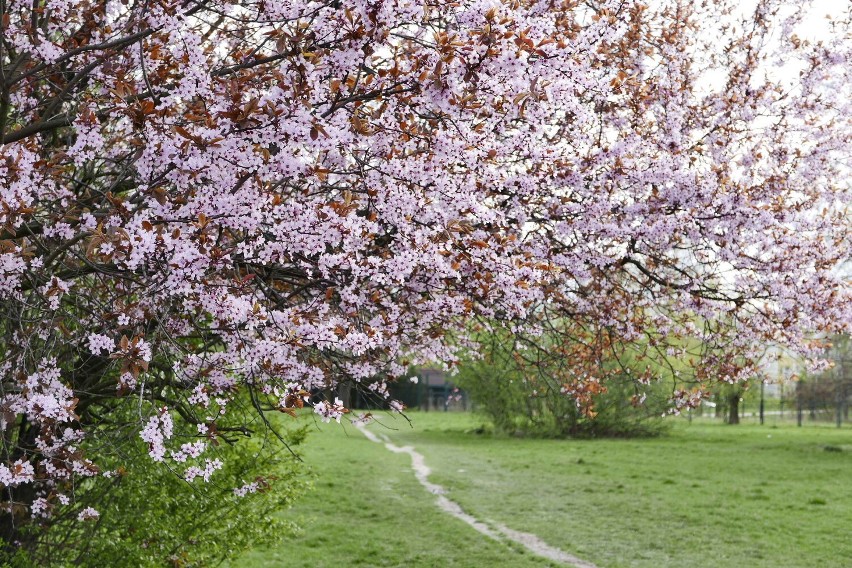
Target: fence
{"x":817,"y":401}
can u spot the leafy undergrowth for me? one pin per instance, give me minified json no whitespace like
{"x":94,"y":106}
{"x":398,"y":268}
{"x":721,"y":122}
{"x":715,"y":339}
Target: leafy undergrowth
{"x":707,"y":495}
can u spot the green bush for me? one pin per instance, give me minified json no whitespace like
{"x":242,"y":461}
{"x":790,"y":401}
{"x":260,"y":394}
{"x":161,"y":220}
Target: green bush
{"x":528,"y":400}
{"x":151,"y":516}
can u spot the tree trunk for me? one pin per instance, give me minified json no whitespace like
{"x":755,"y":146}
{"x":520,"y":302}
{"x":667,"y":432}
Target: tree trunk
{"x":734,"y":409}
{"x":14,"y":516}
{"x":344,"y":393}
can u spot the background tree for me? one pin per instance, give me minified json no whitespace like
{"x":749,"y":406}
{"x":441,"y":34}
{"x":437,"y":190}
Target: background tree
{"x":827,"y":392}
{"x":210,"y":209}
{"x":518,"y":383}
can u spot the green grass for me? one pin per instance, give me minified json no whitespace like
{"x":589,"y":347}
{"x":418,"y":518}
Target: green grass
{"x":706,"y":495}
{"x":367,"y":509}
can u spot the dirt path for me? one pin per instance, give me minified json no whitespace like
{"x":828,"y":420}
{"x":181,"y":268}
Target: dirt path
{"x":497,"y":531}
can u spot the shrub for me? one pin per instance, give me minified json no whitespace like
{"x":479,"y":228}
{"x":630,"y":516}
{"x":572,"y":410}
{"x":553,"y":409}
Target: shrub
{"x":148,"y":515}
{"x":534,"y":401}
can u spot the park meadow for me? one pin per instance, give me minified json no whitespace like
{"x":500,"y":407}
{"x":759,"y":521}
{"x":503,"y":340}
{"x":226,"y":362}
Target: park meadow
{"x":704,"y":494}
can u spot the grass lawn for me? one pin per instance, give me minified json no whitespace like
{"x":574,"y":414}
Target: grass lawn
{"x":367,"y":509}
{"x":706,"y":495}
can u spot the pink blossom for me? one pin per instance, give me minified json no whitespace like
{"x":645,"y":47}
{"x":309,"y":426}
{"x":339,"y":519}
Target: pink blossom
{"x":330,"y":411}
{"x":100,"y":343}
{"x":156,"y":432}
{"x":88,"y":514}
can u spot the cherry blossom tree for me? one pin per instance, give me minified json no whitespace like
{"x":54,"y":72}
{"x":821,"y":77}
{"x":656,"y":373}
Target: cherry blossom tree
{"x":213,"y":208}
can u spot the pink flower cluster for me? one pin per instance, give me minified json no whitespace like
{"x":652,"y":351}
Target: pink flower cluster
{"x":158,"y":429}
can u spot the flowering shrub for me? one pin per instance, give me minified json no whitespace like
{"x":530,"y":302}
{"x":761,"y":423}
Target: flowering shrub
{"x":142,"y":514}
{"x":208,"y":205}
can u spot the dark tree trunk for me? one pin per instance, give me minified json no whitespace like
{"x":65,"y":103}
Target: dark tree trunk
{"x":734,"y":409}
{"x":14,"y":515}
{"x":344,"y":392}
